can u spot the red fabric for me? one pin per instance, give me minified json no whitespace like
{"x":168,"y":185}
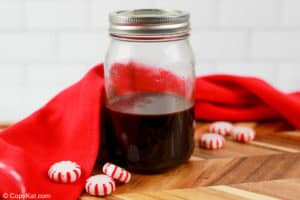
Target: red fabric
{"x":67,"y":128}
{"x":235,"y":98}
{"x":143,"y":79}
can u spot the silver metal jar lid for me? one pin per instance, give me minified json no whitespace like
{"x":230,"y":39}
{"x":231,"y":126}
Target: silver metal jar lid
{"x":149,"y":23}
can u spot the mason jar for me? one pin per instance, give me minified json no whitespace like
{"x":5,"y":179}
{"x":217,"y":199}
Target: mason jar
{"x":149,"y":86}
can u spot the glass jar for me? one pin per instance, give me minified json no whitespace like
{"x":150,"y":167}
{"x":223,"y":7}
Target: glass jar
{"x":149,"y":86}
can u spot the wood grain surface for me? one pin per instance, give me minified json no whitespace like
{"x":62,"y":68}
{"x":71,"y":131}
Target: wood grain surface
{"x":268,"y":168}
{"x":4,"y":125}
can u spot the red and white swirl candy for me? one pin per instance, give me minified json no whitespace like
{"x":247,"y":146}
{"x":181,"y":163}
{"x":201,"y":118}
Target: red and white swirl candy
{"x":243,"y":134}
{"x":100,"y":185}
{"x":116,"y":172}
{"x":221,"y":128}
{"x":211,"y":141}
{"x":64,"y":172}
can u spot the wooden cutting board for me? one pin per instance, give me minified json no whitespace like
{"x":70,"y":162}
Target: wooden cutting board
{"x":268,"y":168}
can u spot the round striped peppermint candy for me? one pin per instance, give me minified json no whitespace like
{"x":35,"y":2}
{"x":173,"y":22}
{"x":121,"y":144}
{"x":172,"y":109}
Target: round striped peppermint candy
{"x":212,"y":141}
{"x":222,"y":128}
{"x":243,"y":134}
{"x":100,"y":185}
{"x":64,"y":172}
{"x":116,"y":172}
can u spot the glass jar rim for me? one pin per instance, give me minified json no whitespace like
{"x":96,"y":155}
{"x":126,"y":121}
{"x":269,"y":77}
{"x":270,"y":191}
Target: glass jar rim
{"x":149,"y":39}
{"x":149,"y":23}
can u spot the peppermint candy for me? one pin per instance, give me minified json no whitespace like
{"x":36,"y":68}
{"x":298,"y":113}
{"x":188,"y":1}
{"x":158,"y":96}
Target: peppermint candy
{"x":64,"y":172}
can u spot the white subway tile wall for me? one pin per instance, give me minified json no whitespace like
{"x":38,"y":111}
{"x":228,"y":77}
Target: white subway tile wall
{"x":46,"y":45}
{"x":248,"y":13}
{"x":55,"y":14}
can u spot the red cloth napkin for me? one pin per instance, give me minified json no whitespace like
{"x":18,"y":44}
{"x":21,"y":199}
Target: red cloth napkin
{"x":67,"y":128}
{"x":235,"y":98}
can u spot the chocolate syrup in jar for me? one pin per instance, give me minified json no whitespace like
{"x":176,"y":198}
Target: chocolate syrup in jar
{"x":149,"y":132}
